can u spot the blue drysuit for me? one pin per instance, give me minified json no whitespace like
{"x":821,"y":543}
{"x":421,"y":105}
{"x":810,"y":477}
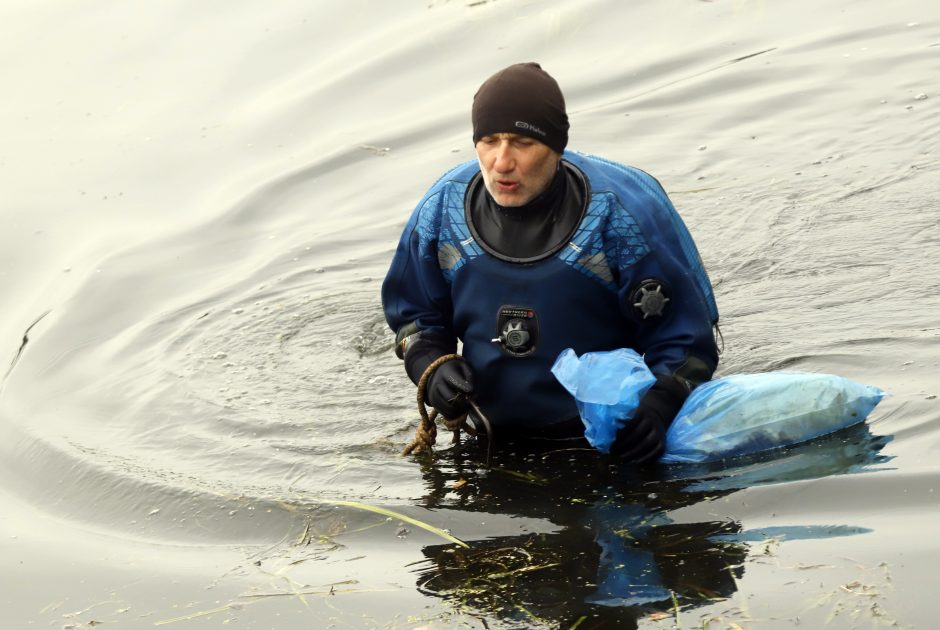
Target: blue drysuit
{"x":585,"y":296}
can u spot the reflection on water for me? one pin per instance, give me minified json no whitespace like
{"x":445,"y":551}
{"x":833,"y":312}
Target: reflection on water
{"x":615,"y":555}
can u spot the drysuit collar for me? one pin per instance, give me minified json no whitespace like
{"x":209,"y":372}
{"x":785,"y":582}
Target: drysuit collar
{"x":532,"y":232}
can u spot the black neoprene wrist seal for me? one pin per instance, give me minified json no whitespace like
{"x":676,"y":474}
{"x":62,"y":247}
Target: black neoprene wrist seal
{"x":424,"y":351}
{"x":665,"y":397}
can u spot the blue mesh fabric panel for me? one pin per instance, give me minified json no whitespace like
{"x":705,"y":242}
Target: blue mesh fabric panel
{"x":454,"y":234}
{"x":429,"y":223}
{"x":625,"y":242}
{"x":608,"y":239}
{"x":586,"y":241}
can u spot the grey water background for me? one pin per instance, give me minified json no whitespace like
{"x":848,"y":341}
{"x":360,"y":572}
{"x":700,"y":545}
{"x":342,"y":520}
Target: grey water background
{"x":199,"y":202}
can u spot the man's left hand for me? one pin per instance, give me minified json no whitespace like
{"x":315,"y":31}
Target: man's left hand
{"x":643,"y":438}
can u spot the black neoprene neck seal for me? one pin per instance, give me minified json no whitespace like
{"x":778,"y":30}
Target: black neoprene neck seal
{"x":532,"y":232}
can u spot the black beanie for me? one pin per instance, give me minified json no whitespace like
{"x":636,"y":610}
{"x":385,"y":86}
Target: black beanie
{"x":522,"y":99}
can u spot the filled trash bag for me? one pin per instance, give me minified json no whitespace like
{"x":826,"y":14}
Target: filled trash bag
{"x":748,"y":413}
{"x":607,"y":387}
{"x":726,"y":417}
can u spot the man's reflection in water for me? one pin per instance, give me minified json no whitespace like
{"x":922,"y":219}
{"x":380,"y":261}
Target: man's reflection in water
{"x":614,"y":555}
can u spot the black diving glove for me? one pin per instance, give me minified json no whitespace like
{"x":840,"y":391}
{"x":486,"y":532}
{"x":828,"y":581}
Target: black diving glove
{"x":449,"y":387}
{"x":643,"y":438}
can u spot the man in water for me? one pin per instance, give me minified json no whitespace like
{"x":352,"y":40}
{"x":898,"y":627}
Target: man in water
{"x":530,"y":250}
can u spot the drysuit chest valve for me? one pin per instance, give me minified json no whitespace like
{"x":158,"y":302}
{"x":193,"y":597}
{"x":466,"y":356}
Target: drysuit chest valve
{"x":517,"y":329}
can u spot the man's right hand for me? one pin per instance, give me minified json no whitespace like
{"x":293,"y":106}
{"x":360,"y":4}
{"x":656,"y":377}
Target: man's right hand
{"x":449,"y":387}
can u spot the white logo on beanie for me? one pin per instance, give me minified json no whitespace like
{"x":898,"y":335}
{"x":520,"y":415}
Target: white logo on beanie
{"x":524,"y":125}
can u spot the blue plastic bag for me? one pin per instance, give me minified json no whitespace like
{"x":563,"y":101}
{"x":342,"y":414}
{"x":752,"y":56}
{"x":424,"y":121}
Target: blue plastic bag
{"x":730,"y":416}
{"x":748,"y":413}
{"x":607,"y":387}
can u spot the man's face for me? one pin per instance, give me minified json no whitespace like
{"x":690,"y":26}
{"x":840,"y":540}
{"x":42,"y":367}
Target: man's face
{"x":515,"y":168}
